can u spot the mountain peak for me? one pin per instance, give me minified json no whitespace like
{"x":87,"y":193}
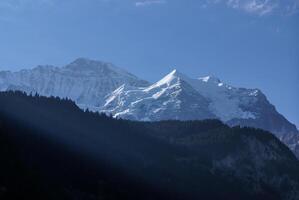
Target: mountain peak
{"x":173,"y":72}
{"x":88,"y":64}
{"x":97,"y":67}
{"x":174,"y":75}
{"x":81,"y":60}
{"x":88,"y":61}
{"x":177,"y":73}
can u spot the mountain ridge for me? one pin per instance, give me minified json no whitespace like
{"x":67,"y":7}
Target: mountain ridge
{"x":103,"y":87}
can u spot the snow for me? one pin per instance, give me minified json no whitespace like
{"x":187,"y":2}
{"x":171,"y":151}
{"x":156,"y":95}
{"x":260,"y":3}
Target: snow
{"x":225,"y":101}
{"x":167,"y":79}
{"x":84,"y":81}
{"x":254,"y":93}
{"x":102,"y":87}
{"x":225,"y":104}
{"x":205,"y":79}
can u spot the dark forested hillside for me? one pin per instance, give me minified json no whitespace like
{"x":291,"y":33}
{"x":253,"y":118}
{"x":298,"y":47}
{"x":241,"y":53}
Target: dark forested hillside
{"x":50,"y":149}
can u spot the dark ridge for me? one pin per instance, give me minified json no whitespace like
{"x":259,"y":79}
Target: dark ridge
{"x":50,"y":149}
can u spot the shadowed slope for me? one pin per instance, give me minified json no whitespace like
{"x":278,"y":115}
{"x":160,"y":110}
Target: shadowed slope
{"x":65,"y":153}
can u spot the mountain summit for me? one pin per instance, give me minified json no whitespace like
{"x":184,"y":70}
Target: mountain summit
{"x":84,"y":81}
{"x":103,"y":87}
{"x":170,"y":98}
{"x":174,"y":75}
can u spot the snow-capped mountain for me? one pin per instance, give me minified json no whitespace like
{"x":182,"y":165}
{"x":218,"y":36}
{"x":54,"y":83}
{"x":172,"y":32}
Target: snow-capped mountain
{"x":177,"y":96}
{"x":84,"y":81}
{"x":102,"y":87}
{"x":170,"y":98}
{"x":206,"y":96}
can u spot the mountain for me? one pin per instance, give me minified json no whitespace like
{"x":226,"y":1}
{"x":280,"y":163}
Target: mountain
{"x":177,"y":96}
{"x":207,"y":97}
{"x":103,"y":87}
{"x":170,"y":98}
{"x":67,"y":153}
{"x":84,"y":81}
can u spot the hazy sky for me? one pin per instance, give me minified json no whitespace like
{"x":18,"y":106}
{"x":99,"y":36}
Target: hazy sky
{"x":248,"y":43}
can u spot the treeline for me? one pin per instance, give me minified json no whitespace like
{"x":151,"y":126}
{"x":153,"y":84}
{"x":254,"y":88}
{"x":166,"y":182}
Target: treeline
{"x":51,"y":149}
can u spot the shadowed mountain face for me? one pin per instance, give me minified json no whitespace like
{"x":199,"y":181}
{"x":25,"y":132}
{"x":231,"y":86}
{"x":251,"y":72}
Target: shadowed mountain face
{"x":102,"y":87}
{"x":66,"y":153}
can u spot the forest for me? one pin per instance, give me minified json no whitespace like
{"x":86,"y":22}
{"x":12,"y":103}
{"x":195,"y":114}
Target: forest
{"x":51,"y":149}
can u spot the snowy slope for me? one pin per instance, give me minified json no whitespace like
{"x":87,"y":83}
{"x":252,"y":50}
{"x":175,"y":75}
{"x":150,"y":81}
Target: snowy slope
{"x":85,"y":81}
{"x":170,"y":98}
{"x":207,"y":96}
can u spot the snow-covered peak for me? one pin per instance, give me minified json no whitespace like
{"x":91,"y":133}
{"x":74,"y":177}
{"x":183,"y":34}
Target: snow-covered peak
{"x":176,"y":73}
{"x":226,"y":102}
{"x":85,"y":62}
{"x":174,"y":77}
{"x":84,"y":65}
{"x":85,"y":81}
{"x":207,"y":82}
{"x":170,"y":98}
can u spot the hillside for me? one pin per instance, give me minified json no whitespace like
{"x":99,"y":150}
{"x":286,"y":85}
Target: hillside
{"x":51,"y":149}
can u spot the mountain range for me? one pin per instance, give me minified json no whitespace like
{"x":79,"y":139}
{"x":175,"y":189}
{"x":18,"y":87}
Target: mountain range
{"x":103,"y":87}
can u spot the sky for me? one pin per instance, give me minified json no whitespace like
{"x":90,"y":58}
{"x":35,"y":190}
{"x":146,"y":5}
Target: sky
{"x":245,"y":43}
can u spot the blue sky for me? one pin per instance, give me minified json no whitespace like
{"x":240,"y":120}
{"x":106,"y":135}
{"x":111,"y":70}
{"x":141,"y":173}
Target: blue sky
{"x":248,"y":43}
